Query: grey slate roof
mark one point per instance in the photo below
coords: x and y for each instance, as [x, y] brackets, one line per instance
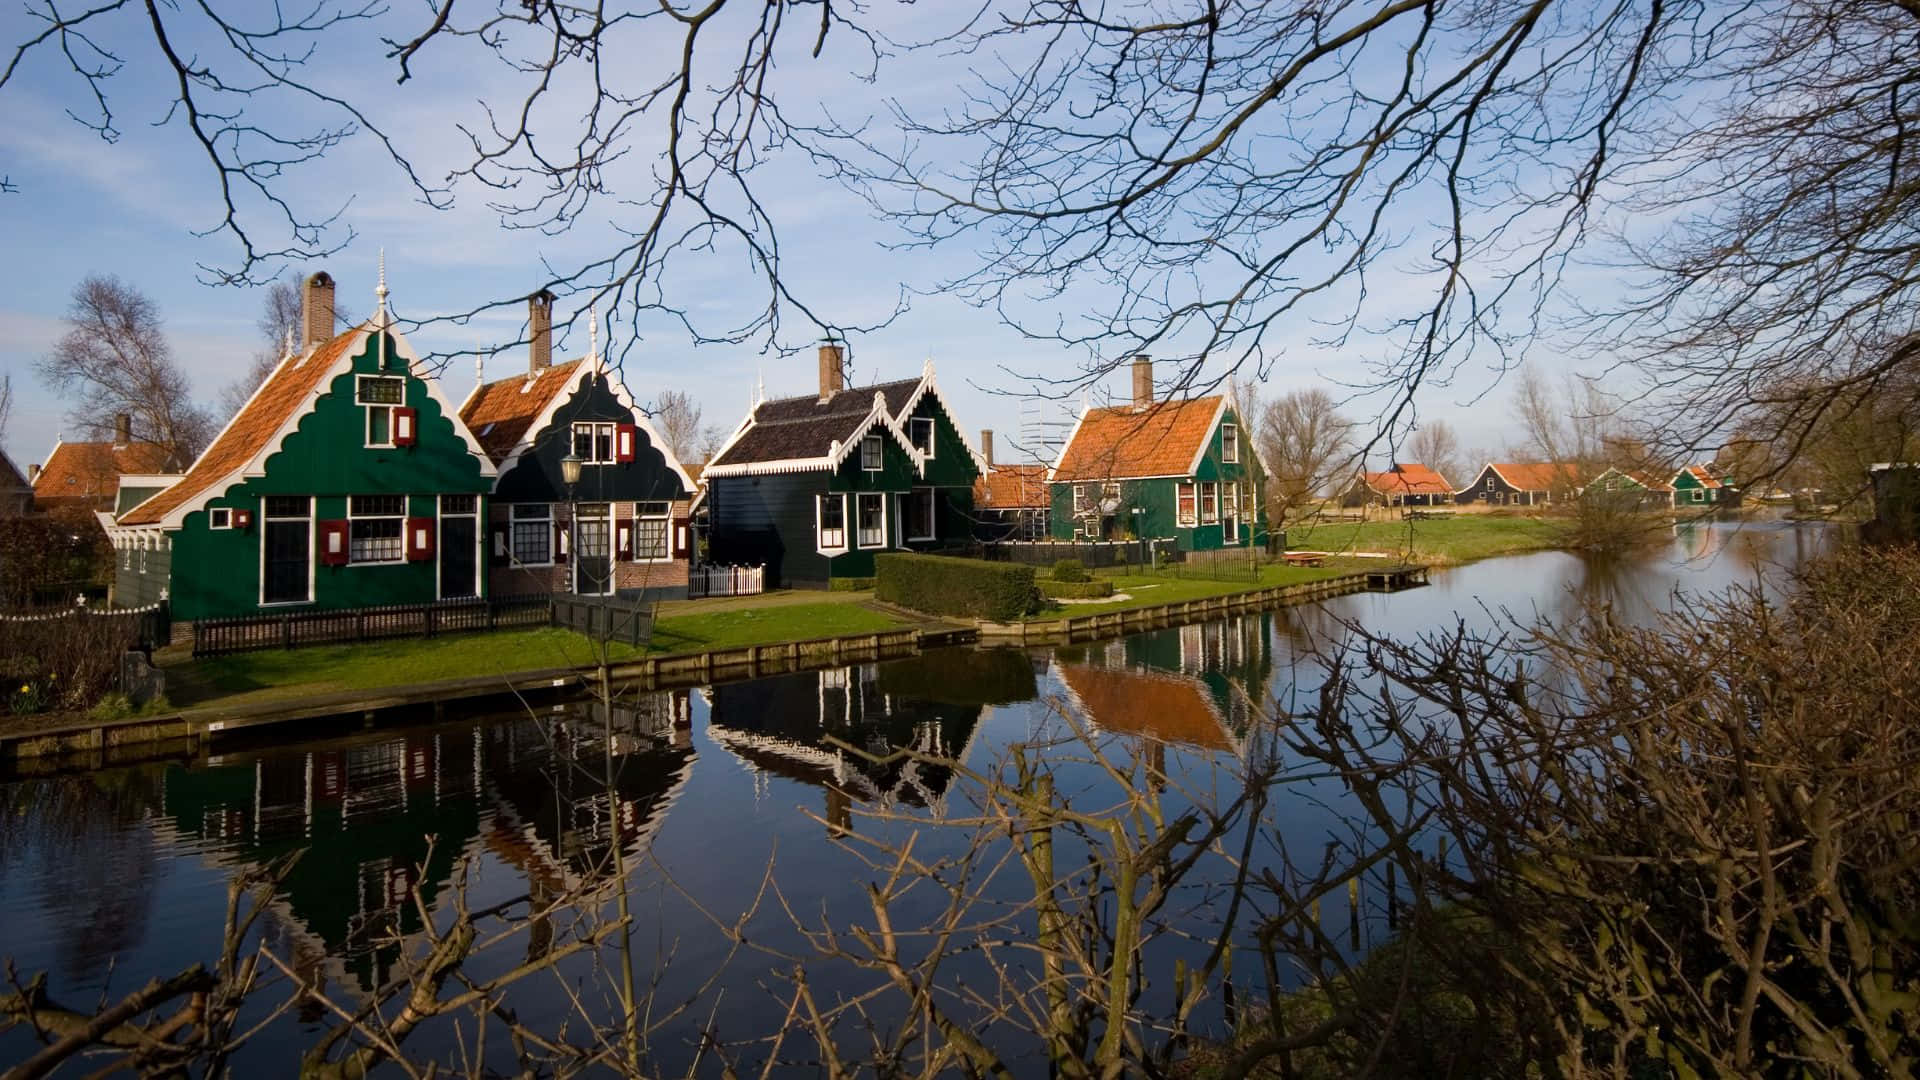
[785, 429]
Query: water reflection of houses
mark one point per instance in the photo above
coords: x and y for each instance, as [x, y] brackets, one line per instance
[932, 703]
[1202, 686]
[378, 819]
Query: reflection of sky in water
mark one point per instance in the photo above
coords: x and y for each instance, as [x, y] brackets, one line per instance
[111, 878]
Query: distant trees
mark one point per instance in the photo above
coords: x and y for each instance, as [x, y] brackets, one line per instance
[1305, 441]
[279, 317]
[114, 358]
[1436, 446]
[679, 419]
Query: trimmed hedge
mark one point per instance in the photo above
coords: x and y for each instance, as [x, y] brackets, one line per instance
[1077, 590]
[943, 585]
[850, 584]
[1070, 570]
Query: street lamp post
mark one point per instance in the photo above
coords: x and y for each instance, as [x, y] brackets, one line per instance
[570, 476]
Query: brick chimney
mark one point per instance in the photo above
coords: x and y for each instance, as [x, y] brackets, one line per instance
[122, 430]
[33, 474]
[832, 376]
[986, 446]
[316, 310]
[539, 332]
[1142, 381]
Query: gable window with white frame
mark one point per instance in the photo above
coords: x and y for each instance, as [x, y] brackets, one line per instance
[650, 523]
[593, 442]
[381, 396]
[1230, 443]
[920, 514]
[920, 433]
[870, 517]
[532, 534]
[1080, 498]
[870, 453]
[830, 523]
[219, 517]
[377, 524]
[1186, 499]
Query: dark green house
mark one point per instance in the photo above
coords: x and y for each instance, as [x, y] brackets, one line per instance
[812, 487]
[347, 480]
[1703, 486]
[1185, 471]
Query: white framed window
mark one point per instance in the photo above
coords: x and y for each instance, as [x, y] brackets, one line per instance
[920, 514]
[830, 522]
[1489, 483]
[870, 517]
[920, 433]
[1209, 502]
[651, 521]
[1232, 533]
[1090, 527]
[593, 442]
[1698, 495]
[870, 454]
[380, 395]
[1230, 443]
[219, 518]
[1185, 496]
[532, 534]
[126, 558]
[376, 528]
[1079, 498]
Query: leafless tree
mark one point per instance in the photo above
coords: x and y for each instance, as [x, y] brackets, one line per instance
[1307, 443]
[1436, 446]
[6, 403]
[680, 424]
[279, 326]
[114, 358]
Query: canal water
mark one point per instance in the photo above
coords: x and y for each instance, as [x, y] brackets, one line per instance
[743, 829]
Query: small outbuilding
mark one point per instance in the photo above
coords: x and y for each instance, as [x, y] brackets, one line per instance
[1512, 483]
[1405, 484]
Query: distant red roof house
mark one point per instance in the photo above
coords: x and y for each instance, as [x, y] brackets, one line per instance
[1012, 487]
[1404, 484]
[87, 474]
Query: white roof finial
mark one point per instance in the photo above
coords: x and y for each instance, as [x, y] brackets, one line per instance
[593, 334]
[380, 290]
[480, 368]
[760, 386]
[927, 368]
[286, 349]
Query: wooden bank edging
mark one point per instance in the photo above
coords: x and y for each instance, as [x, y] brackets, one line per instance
[1132, 620]
[192, 728]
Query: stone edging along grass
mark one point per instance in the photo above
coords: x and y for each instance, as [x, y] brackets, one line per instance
[1180, 612]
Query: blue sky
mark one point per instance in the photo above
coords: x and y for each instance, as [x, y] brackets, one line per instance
[133, 208]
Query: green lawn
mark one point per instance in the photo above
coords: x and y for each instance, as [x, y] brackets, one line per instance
[324, 669]
[1436, 542]
[1153, 589]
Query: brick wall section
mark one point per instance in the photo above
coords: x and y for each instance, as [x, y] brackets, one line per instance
[525, 580]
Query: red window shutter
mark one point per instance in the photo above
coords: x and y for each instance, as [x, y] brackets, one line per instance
[405, 426]
[559, 541]
[419, 539]
[625, 439]
[243, 519]
[333, 543]
[682, 537]
[623, 540]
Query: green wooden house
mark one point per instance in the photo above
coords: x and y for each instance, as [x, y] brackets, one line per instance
[1181, 470]
[346, 481]
[812, 487]
[1703, 486]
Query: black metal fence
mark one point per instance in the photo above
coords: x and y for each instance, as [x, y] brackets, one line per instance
[246, 633]
[1093, 554]
[605, 618]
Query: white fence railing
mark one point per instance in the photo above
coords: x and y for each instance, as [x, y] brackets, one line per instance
[726, 581]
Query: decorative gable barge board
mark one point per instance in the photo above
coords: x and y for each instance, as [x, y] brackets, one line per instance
[319, 451]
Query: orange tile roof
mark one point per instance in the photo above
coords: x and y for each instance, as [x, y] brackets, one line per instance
[1407, 479]
[500, 412]
[1011, 487]
[1169, 708]
[1539, 476]
[284, 391]
[1121, 442]
[1704, 475]
[92, 470]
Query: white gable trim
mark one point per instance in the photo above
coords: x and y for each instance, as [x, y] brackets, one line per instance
[837, 452]
[540, 422]
[1067, 446]
[928, 382]
[1206, 441]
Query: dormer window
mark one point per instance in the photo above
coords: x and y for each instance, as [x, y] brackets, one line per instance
[384, 400]
[920, 432]
[593, 442]
[1230, 443]
[870, 453]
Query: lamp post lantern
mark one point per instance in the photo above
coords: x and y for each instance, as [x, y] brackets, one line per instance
[570, 476]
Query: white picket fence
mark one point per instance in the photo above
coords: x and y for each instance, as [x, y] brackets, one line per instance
[726, 581]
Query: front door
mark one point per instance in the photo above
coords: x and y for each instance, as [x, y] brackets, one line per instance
[593, 551]
[288, 537]
[459, 568]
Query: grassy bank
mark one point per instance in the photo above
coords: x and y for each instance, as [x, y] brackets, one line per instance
[1179, 586]
[1442, 541]
[325, 669]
